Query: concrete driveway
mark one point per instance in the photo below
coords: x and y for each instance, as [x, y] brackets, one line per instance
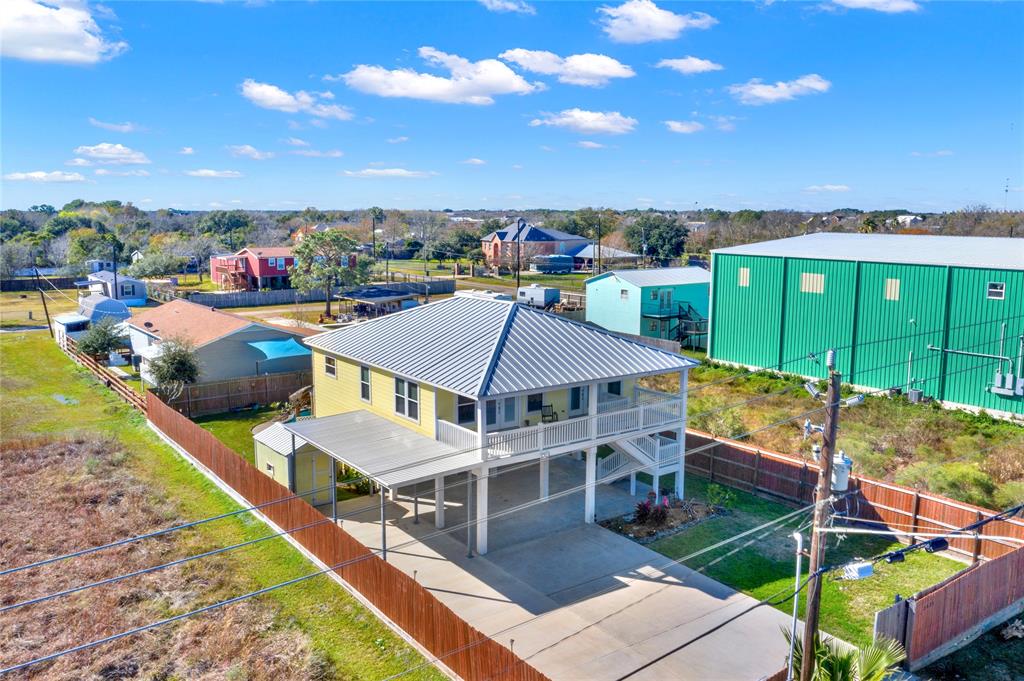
[575, 600]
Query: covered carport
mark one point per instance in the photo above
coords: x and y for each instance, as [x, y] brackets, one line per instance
[393, 457]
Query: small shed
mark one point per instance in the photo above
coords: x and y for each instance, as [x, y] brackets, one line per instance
[374, 301]
[69, 325]
[95, 307]
[308, 473]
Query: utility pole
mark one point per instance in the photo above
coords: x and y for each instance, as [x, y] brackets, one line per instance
[520, 223]
[824, 491]
[597, 253]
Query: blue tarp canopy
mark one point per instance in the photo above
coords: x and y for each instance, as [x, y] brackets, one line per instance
[277, 349]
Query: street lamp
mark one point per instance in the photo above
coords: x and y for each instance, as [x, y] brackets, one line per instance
[520, 224]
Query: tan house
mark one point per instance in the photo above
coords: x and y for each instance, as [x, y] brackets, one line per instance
[468, 386]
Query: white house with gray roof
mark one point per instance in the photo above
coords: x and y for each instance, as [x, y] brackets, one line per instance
[473, 385]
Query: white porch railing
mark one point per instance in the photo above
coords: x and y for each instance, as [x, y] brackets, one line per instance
[638, 420]
[456, 436]
[613, 462]
[612, 404]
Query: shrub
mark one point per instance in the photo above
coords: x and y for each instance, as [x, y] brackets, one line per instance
[642, 512]
[720, 496]
[176, 366]
[961, 481]
[1009, 494]
[713, 415]
[102, 338]
[658, 515]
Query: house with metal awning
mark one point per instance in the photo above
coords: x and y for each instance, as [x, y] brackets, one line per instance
[228, 345]
[470, 386]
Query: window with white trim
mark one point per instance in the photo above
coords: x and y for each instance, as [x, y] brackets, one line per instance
[407, 399]
[743, 277]
[534, 402]
[270, 468]
[652, 325]
[364, 383]
[892, 289]
[996, 290]
[465, 410]
[330, 366]
[812, 282]
[654, 294]
[127, 289]
[623, 294]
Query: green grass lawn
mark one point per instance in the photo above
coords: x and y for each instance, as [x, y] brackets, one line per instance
[16, 307]
[766, 566]
[235, 428]
[45, 394]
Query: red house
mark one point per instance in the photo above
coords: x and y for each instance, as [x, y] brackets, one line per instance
[253, 268]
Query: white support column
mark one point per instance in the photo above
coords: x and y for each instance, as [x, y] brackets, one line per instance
[590, 495]
[681, 435]
[439, 502]
[656, 482]
[545, 478]
[393, 494]
[481, 511]
[632, 484]
[590, 498]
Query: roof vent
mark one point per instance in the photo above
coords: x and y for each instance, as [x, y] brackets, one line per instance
[148, 325]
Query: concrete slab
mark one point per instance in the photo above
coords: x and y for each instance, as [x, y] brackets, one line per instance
[575, 600]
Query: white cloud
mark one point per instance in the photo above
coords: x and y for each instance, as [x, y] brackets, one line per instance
[474, 162]
[932, 154]
[887, 6]
[684, 127]
[690, 65]
[517, 6]
[249, 151]
[316, 153]
[268, 96]
[641, 21]
[588, 144]
[79, 162]
[469, 82]
[117, 154]
[296, 142]
[43, 176]
[187, 151]
[125, 127]
[62, 32]
[122, 173]
[588, 122]
[592, 70]
[388, 172]
[755, 92]
[724, 123]
[829, 188]
[398, 140]
[517, 166]
[206, 172]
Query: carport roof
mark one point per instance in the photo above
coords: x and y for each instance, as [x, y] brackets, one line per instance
[387, 452]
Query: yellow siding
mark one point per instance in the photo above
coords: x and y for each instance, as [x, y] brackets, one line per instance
[341, 394]
[265, 455]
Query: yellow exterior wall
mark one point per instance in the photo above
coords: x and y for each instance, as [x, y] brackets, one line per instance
[303, 469]
[339, 395]
[265, 455]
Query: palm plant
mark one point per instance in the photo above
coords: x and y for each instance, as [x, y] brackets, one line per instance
[836, 662]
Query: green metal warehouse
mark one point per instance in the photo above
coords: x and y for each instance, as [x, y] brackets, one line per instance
[939, 314]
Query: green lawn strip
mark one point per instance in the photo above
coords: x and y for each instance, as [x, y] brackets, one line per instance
[235, 428]
[358, 644]
[766, 567]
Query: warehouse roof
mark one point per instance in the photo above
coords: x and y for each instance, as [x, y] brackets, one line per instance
[662, 276]
[914, 249]
[607, 252]
[479, 347]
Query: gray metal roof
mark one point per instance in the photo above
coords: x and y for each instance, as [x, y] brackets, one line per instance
[590, 251]
[278, 438]
[661, 276]
[482, 347]
[108, 276]
[915, 249]
[390, 453]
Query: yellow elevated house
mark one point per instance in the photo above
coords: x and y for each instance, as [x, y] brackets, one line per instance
[469, 386]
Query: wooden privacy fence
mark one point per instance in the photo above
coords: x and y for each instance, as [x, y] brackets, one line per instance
[933, 623]
[217, 397]
[905, 511]
[291, 296]
[31, 284]
[105, 375]
[462, 648]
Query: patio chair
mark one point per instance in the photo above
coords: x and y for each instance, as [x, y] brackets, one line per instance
[548, 414]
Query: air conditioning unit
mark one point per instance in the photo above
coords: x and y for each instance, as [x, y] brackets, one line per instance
[915, 395]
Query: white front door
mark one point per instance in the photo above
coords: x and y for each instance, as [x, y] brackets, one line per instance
[665, 298]
[502, 413]
[321, 479]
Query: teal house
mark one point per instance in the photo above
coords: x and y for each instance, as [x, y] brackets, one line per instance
[939, 317]
[670, 303]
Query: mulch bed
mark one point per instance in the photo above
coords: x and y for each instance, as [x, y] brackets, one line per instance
[682, 514]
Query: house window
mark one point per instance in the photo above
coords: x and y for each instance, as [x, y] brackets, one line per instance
[576, 398]
[466, 410]
[407, 399]
[534, 402]
[652, 325]
[892, 289]
[811, 282]
[743, 277]
[364, 383]
[270, 468]
[331, 367]
[996, 290]
[623, 294]
[127, 289]
[491, 409]
[615, 388]
[654, 294]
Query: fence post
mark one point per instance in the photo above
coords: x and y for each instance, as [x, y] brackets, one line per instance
[802, 483]
[976, 551]
[913, 519]
[188, 400]
[757, 469]
[711, 461]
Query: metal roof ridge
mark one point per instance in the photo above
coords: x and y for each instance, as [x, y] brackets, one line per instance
[499, 343]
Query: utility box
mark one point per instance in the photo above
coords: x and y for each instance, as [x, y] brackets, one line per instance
[541, 297]
[841, 467]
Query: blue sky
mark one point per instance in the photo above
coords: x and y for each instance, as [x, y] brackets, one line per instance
[503, 104]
